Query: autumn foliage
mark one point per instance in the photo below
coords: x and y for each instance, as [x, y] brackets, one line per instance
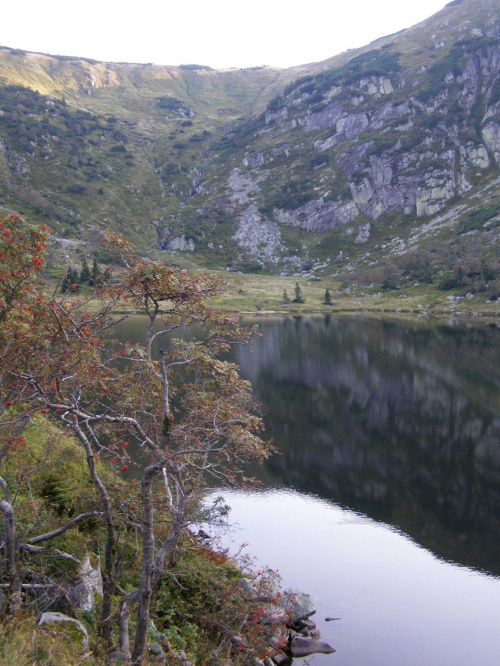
[170, 411]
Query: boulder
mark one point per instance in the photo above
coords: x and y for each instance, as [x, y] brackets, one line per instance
[157, 653]
[89, 585]
[281, 659]
[302, 624]
[298, 605]
[303, 647]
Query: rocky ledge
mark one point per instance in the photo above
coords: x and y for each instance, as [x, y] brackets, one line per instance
[302, 640]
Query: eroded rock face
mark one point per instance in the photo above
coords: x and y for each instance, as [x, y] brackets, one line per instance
[255, 234]
[363, 233]
[317, 215]
[181, 243]
[491, 136]
[259, 236]
[395, 145]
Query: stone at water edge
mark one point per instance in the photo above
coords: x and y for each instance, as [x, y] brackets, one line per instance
[301, 624]
[298, 604]
[303, 647]
[281, 659]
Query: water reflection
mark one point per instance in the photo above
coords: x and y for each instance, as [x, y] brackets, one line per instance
[387, 429]
[400, 605]
[399, 421]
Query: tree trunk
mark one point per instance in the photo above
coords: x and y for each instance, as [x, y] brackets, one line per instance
[109, 585]
[11, 557]
[148, 555]
[123, 636]
[177, 502]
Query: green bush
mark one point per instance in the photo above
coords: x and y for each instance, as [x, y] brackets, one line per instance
[276, 104]
[171, 103]
[76, 189]
[292, 195]
[454, 280]
[477, 219]
[319, 160]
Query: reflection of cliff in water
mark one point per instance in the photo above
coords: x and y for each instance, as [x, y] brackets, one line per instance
[397, 420]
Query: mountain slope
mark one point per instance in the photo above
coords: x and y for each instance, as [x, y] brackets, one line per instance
[366, 154]
[379, 165]
[101, 145]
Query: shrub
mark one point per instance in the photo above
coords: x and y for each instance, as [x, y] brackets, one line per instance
[319, 160]
[455, 280]
[76, 189]
[477, 219]
[170, 103]
[276, 104]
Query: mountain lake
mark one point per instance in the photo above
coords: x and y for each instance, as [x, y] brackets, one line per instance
[383, 501]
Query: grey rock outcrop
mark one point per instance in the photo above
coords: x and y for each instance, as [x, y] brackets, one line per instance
[402, 141]
[89, 585]
[181, 243]
[317, 215]
[258, 236]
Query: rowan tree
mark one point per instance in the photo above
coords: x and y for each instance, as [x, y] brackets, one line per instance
[186, 413]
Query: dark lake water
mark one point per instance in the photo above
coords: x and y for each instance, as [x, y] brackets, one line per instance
[384, 502]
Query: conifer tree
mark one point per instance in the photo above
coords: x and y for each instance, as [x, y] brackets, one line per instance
[286, 297]
[328, 299]
[70, 281]
[95, 275]
[299, 298]
[85, 272]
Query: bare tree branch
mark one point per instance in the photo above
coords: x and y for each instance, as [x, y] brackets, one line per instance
[64, 528]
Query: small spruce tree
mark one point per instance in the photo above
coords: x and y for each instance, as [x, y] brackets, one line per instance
[299, 298]
[95, 274]
[70, 281]
[328, 299]
[85, 272]
[64, 284]
[286, 297]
